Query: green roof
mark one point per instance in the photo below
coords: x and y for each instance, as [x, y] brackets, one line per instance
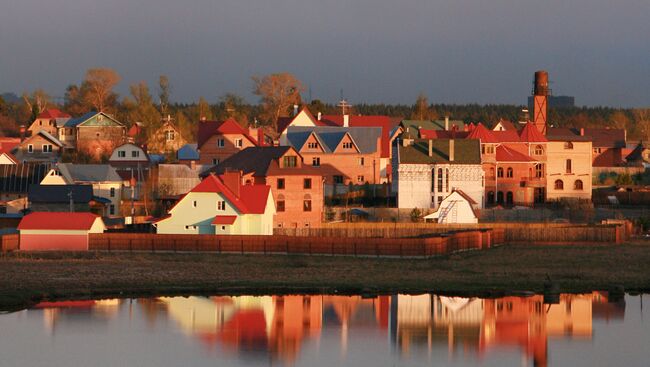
[466, 151]
[431, 124]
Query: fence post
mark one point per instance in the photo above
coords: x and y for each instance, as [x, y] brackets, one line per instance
[109, 244]
[242, 246]
[264, 246]
[130, 244]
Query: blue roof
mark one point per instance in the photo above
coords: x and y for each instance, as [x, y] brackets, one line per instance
[76, 121]
[188, 152]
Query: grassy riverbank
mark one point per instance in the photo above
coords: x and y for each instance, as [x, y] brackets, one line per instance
[26, 278]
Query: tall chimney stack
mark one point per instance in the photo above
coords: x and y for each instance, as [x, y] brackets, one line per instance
[346, 120]
[540, 100]
[452, 148]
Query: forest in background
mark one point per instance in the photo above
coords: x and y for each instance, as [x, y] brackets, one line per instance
[277, 93]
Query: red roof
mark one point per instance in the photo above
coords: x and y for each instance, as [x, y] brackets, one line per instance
[482, 133]
[443, 134]
[506, 154]
[53, 113]
[230, 126]
[58, 221]
[134, 131]
[8, 144]
[224, 219]
[530, 134]
[506, 136]
[252, 198]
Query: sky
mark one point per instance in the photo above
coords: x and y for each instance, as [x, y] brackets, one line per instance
[375, 51]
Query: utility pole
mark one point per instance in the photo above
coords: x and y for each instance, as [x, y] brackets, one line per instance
[71, 201]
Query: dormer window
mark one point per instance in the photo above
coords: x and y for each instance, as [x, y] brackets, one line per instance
[539, 150]
[312, 145]
[169, 135]
[290, 161]
[239, 143]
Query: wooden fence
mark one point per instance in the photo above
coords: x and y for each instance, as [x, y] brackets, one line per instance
[9, 242]
[290, 245]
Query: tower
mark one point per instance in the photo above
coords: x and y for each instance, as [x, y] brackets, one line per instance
[540, 100]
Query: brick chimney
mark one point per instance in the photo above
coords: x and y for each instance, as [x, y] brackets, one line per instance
[452, 148]
[582, 131]
[346, 120]
[320, 115]
[446, 123]
[430, 148]
[232, 180]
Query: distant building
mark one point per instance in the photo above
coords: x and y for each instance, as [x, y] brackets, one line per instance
[188, 154]
[50, 120]
[456, 208]
[569, 165]
[218, 140]
[58, 231]
[167, 139]
[221, 205]
[95, 133]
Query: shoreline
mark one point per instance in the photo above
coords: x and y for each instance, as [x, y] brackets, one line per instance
[27, 278]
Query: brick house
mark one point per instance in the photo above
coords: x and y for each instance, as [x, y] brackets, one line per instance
[95, 133]
[218, 140]
[297, 187]
[50, 120]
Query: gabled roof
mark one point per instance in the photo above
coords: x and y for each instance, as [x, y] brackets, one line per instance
[252, 199]
[466, 151]
[507, 125]
[89, 172]
[530, 134]
[564, 134]
[8, 144]
[229, 126]
[47, 136]
[10, 157]
[606, 138]
[188, 152]
[365, 138]
[384, 122]
[480, 132]
[506, 136]
[507, 154]
[636, 154]
[255, 160]
[53, 113]
[59, 193]
[58, 221]
[284, 122]
[90, 117]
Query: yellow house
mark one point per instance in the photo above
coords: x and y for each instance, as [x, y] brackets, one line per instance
[568, 168]
[223, 206]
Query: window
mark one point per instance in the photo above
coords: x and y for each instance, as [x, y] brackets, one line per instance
[360, 179]
[577, 185]
[30, 148]
[221, 205]
[347, 145]
[190, 227]
[312, 145]
[112, 192]
[509, 197]
[194, 203]
[447, 179]
[433, 181]
[280, 184]
[568, 145]
[362, 161]
[290, 161]
[559, 185]
[135, 153]
[500, 197]
[279, 205]
[490, 197]
[215, 161]
[315, 162]
[539, 150]
[439, 179]
[223, 228]
[121, 154]
[487, 149]
[492, 172]
[539, 170]
[169, 135]
[500, 172]
[337, 179]
[509, 172]
[439, 200]
[306, 205]
[221, 143]
[47, 148]
[597, 151]
[568, 166]
[239, 143]
[111, 210]
[306, 183]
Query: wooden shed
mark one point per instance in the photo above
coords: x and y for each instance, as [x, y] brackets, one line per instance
[58, 231]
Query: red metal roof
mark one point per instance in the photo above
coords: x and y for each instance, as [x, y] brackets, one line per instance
[443, 134]
[530, 134]
[58, 221]
[224, 219]
[482, 133]
[53, 113]
[252, 198]
[8, 144]
[506, 154]
[230, 126]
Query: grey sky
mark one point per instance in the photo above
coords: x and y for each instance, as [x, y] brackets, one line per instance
[455, 51]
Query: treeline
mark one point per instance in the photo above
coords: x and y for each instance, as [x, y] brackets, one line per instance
[277, 93]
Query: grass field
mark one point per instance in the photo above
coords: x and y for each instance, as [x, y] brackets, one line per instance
[26, 278]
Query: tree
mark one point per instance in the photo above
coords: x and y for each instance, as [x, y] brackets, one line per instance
[36, 102]
[642, 117]
[97, 88]
[234, 106]
[421, 110]
[278, 93]
[165, 91]
[620, 120]
[141, 107]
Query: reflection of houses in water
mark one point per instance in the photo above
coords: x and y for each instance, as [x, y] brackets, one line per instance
[77, 314]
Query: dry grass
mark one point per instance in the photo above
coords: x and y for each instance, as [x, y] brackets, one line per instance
[30, 277]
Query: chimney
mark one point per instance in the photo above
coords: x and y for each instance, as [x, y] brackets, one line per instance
[452, 148]
[430, 148]
[446, 123]
[232, 180]
[260, 137]
[295, 109]
[582, 131]
[346, 120]
[320, 115]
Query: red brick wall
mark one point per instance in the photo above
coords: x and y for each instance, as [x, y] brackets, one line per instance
[294, 194]
[210, 151]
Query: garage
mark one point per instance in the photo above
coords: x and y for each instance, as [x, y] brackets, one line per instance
[58, 231]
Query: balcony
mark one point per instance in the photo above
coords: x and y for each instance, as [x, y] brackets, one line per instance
[533, 181]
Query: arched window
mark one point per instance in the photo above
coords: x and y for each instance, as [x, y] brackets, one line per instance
[500, 172]
[439, 179]
[509, 198]
[568, 145]
[577, 185]
[509, 172]
[490, 197]
[306, 203]
[568, 166]
[447, 179]
[539, 150]
[500, 197]
[559, 185]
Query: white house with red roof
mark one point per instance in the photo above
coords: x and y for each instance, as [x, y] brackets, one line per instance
[58, 231]
[222, 205]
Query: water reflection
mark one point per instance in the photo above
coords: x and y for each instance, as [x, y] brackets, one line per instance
[278, 328]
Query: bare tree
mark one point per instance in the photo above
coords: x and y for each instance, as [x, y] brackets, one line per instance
[98, 87]
[278, 92]
[165, 91]
[37, 102]
[642, 117]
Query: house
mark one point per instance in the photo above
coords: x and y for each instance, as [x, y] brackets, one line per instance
[16, 179]
[434, 125]
[568, 168]
[297, 187]
[95, 133]
[427, 171]
[218, 140]
[639, 155]
[50, 120]
[222, 206]
[40, 147]
[456, 208]
[58, 231]
[105, 182]
[167, 138]
[129, 156]
[136, 133]
[503, 125]
[344, 155]
[61, 198]
[188, 154]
